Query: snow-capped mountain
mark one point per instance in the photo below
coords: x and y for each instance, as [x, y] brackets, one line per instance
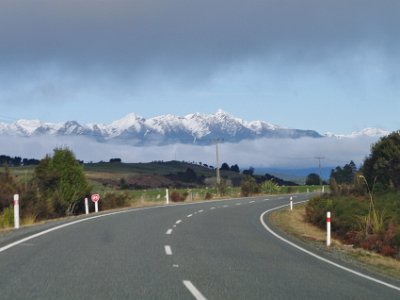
[195, 128]
[367, 132]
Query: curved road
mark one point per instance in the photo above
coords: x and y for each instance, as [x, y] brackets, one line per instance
[209, 250]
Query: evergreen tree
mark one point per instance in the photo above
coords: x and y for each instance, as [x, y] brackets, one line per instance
[383, 164]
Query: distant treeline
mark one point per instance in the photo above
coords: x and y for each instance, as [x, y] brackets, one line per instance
[17, 161]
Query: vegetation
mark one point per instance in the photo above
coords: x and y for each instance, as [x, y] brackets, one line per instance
[57, 184]
[365, 205]
[313, 179]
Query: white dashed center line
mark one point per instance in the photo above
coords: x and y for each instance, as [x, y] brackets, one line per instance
[168, 250]
[178, 222]
[200, 211]
[212, 208]
[189, 216]
[169, 231]
[195, 292]
[252, 202]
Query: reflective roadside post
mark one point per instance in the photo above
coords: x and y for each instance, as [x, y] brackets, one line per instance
[16, 211]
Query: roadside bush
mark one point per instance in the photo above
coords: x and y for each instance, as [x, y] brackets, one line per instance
[177, 197]
[208, 196]
[114, 200]
[7, 217]
[270, 187]
[248, 186]
[351, 224]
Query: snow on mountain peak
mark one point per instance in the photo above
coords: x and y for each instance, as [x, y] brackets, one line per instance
[130, 120]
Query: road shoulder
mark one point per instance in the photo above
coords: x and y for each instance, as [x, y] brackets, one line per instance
[293, 225]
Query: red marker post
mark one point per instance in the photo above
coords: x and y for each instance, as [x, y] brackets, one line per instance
[16, 211]
[95, 198]
[328, 228]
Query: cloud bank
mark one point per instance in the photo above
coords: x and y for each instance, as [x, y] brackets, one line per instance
[274, 153]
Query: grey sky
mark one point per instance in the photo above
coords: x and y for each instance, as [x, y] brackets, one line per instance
[181, 56]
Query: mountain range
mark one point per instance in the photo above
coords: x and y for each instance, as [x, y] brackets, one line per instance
[194, 128]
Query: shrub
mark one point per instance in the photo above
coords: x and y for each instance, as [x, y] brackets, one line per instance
[208, 196]
[7, 217]
[177, 197]
[114, 200]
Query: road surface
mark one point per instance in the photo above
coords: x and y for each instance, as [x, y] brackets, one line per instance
[209, 250]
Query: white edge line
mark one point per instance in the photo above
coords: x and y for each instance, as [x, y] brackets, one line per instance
[317, 256]
[195, 292]
[31, 237]
[168, 250]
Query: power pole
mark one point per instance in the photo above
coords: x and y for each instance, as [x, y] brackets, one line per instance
[319, 167]
[217, 162]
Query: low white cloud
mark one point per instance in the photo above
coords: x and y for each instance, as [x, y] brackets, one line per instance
[275, 153]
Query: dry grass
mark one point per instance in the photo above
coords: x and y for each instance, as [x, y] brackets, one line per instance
[293, 223]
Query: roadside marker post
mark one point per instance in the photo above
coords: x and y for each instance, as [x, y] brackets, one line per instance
[86, 206]
[95, 198]
[328, 228]
[16, 211]
[291, 203]
[167, 196]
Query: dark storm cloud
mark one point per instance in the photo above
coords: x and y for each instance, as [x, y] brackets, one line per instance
[188, 34]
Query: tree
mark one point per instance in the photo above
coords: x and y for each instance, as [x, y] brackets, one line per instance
[235, 168]
[225, 167]
[250, 171]
[8, 187]
[313, 179]
[346, 174]
[61, 179]
[383, 164]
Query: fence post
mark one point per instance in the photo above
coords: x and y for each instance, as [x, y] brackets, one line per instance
[167, 196]
[291, 203]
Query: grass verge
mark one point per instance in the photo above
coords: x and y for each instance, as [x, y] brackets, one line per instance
[293, 223]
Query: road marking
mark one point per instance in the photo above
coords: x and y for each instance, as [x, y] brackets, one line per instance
[317, 256]
[168, 250]
[238, 203]
[251, 202]
[212, 208]
[225, 206]
[169, 231]
[195, 292]
[28, 238]
[178, 222]
[266, 199]
[189, 216]
[200, 211]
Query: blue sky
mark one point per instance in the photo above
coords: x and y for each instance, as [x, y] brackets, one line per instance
[310, 64]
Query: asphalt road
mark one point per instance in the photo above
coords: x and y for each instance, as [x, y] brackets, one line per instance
[210, 250]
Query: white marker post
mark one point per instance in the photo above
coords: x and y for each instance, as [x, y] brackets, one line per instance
[167, 196]
[291, 203]
[328, 228]
[16, 211]
[86, 206]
